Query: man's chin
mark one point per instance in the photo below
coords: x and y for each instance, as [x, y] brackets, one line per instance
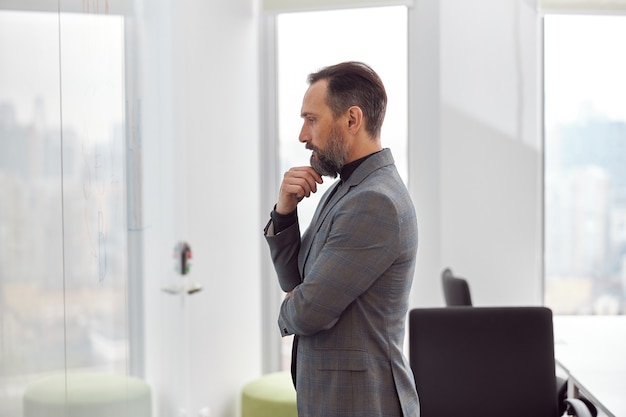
[319, 167]
[324, 172]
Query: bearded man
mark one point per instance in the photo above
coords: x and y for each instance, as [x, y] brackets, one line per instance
[348, 277]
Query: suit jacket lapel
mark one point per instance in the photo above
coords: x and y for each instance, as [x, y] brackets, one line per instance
[307, 238]
[379, 160]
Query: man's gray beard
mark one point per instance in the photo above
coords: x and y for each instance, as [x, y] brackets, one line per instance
[330, 161]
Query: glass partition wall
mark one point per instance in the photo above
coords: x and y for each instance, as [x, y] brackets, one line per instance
[63, 200]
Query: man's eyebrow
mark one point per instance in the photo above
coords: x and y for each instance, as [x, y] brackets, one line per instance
[306, 114]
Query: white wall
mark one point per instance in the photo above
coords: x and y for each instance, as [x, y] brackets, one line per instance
[222, 129]
[477, 157]
[200, 86]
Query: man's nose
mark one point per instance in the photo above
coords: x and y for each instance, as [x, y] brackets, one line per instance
[304, 136]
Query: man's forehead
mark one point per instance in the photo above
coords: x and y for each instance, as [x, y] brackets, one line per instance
[314, 99]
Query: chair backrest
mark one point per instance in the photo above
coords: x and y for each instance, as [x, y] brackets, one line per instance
[456, 290]
[483, 361]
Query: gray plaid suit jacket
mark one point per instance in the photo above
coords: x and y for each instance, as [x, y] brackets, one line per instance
[351, 274]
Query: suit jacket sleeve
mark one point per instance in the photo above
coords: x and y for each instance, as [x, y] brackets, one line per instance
[284, 248]
[361, 244]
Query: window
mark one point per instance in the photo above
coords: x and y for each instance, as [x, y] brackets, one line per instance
[585, 164]
[303, 48]
[63, 264]
[308, 41]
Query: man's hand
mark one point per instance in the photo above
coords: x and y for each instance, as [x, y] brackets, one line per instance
[298, 182]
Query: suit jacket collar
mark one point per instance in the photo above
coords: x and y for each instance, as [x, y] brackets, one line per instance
[371, 164]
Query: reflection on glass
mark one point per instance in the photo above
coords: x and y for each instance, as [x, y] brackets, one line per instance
[585, 164]
[308, 41]
[62, 199]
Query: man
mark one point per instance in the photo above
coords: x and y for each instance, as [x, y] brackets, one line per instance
[348, 278]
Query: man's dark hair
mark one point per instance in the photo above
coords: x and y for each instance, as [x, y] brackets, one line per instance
[354, 84]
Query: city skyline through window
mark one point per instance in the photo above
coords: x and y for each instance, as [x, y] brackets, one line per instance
[585, 164]
[63, 234]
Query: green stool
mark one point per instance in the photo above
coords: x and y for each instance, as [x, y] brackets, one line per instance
[271, 395]
[88, 394]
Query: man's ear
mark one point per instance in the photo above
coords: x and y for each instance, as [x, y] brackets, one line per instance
[355, 119]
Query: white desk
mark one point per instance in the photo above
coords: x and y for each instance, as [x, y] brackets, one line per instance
[592, 350]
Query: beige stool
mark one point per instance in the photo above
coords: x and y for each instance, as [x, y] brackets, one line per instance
[88, 395]
[271, 395]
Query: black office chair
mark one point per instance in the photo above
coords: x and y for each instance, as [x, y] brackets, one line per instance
[456, 290]
[485, 361]
[456, 293]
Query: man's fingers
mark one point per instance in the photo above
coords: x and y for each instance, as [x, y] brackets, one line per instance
[306, 172]
[301, 181]
[298, 182]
